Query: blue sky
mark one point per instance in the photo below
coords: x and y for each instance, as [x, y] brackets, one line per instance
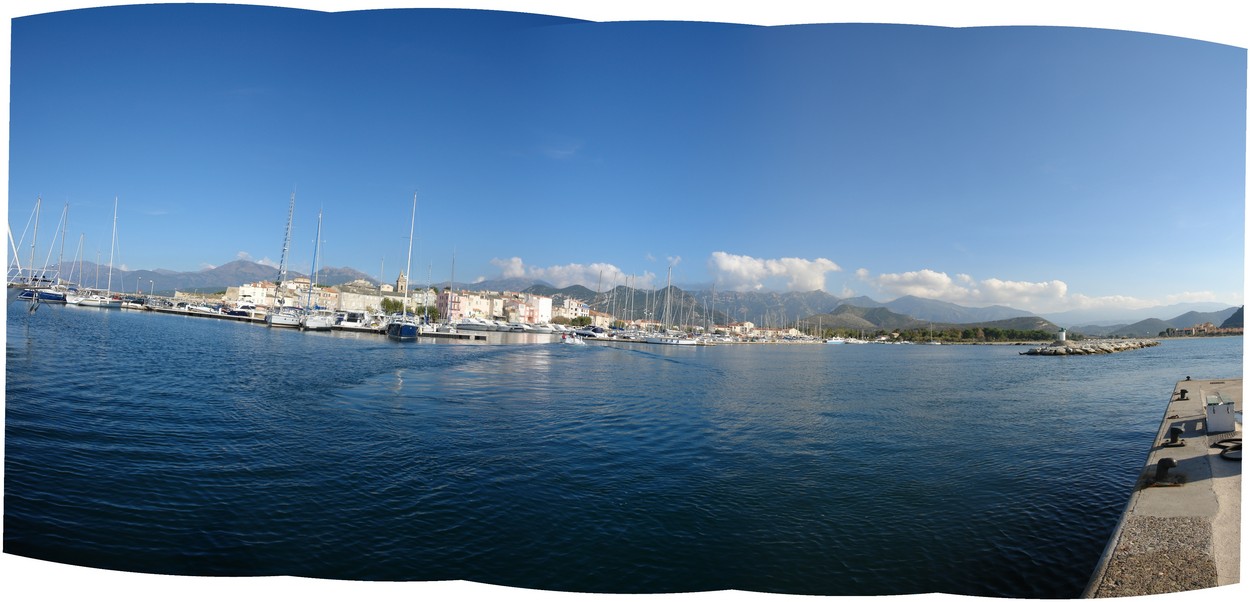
[1045, 168]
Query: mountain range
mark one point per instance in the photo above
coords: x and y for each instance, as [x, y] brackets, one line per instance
[765, 308]
[209, 280]
[1229, 317]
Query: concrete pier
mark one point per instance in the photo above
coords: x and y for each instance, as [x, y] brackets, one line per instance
[1181, 529]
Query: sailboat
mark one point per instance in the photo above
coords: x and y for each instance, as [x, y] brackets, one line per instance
[106, 301]
[39, 289]
[665, 337]
[313, 318]
[284, 317]
[405, 327]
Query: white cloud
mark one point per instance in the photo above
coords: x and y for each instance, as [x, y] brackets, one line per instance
[963, 289]
[993, 290]
[244, 255]
[1194, 297]
[603, 275]
[742, 273]
[512, 267]
[923, 283]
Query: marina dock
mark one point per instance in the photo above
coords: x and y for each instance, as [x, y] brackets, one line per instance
[182, 311]
[1181, 529]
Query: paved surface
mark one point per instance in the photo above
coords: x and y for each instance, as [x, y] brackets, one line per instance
[1181, 532]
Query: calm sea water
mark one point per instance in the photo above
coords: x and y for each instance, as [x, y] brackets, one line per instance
[166, 444]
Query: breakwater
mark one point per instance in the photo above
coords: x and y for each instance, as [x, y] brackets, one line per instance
[1089, 347]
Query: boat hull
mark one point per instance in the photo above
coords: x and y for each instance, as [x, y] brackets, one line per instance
[100, 302]
[402, 331]
[43, 296]
[282, 320]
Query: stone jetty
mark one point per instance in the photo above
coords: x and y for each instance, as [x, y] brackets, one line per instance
[1090, 347]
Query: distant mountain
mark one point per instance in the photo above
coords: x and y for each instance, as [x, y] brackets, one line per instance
[1082, 318]
[503, 284]
[768, 309]
[941, 311]
[1194, 318]
[874, 317]
[576, 291]
[1233, 321]
[883, 318]
[213, 279]
[1151, 327]
[861, 301]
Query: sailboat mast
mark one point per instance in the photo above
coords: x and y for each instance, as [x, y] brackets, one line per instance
[64, 226]
[316, 248]
[30, 279]
[286, 241]
[112, 244]
[429, 284]
[668, 294]
[408, 270]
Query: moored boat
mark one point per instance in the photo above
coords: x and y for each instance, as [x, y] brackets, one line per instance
[670, 339]
[283, 318]
[473, 324]
[318, 319]
[359, 321]
[42, 295]
[404, 327]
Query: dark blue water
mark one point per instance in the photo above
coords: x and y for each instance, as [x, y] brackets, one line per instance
[165, 444]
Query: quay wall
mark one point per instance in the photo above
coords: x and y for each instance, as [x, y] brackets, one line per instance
[1181, 528]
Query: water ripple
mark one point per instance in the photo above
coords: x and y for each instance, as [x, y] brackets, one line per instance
[158, 444]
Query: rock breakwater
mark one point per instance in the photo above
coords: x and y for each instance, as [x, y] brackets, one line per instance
[1089, 347]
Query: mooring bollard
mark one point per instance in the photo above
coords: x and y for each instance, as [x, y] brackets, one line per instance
[1174, 436]
[1162, 468]
[1184, 392]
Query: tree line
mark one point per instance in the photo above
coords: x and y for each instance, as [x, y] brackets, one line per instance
[971, 334]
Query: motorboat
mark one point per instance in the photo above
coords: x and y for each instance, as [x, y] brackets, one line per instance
[594, 332]
[359, 321]
[473, 324]
[403, 328]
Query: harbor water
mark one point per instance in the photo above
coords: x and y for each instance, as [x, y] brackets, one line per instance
[179, 445]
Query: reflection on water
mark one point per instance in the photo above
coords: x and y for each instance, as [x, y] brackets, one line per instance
[161, 444]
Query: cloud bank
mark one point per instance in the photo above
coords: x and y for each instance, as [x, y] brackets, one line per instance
[1048, 296]
[744, 273]
[604, 275]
